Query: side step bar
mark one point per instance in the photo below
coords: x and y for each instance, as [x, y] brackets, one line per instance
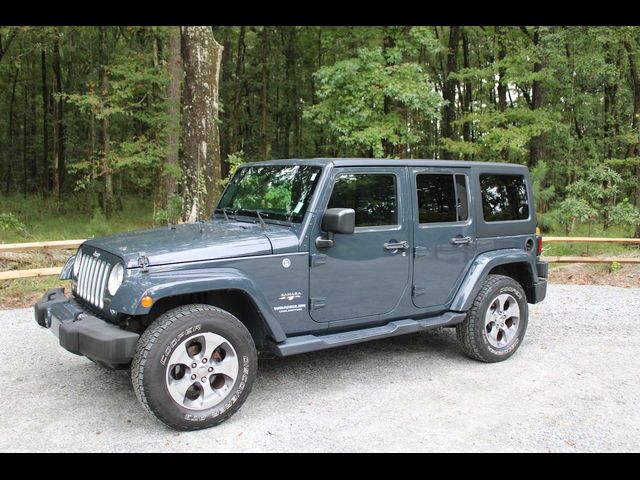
[311, 343]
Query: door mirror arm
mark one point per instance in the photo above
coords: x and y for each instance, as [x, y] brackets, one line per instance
[325, 242]
[336, 220]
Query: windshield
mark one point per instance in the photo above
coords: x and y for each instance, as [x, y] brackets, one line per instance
[279, 192]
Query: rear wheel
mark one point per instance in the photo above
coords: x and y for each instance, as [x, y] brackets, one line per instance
[194, 367]
[497, 321]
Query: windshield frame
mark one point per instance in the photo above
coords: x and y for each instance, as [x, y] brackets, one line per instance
[242, 214]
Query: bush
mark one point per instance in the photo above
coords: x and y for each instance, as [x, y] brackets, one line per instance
[173, 212]
[8, 221]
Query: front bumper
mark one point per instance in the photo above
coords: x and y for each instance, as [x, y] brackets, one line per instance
[82, 333]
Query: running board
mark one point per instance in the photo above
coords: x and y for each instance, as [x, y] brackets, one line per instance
[311, 343]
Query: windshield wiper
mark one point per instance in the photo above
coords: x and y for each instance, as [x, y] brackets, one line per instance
[224, 212]
[257, 212]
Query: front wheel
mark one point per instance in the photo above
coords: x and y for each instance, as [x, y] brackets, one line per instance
[497, 321]
[194, 367]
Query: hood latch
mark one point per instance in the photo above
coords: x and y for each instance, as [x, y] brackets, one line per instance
[143, 262]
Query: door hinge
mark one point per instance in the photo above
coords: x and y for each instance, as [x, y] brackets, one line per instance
[417, 291]
[318, 259]
[317, 302]
[419, 251]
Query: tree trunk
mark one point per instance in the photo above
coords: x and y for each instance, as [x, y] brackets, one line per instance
[502, 83]
[536, 145]
[32, 142]
[106, 167]
[201, 57]
[60, 167]
[449, 91]
[173, 112]
[45, 123]
[610, 98]
[24, 138]
[235, 114]
[11, 150]
[467, 97]
[264, 107]
[107, 198]
[634, 148]
[388, 42]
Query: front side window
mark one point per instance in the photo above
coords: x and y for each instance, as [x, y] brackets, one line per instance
[442, 197]
[504, 197]
[279, 192]
[372, 196]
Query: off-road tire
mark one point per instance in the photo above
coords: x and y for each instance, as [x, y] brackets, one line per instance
[471, 332]
[148, 373]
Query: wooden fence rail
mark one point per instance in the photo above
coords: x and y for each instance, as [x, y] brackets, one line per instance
[69, 244]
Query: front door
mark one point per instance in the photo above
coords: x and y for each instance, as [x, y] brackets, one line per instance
[444, 234]
[364, 273]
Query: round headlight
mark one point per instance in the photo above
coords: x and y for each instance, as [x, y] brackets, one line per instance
[115, 278]
[76, 264]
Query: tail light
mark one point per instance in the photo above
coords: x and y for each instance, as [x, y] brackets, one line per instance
[539, 241]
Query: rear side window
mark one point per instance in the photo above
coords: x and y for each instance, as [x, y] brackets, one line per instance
[504, 197]
[372, 196]
[442, 198]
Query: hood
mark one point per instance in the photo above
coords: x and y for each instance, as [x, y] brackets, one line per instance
[186, 243]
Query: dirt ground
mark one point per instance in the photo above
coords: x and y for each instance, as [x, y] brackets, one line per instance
[628, 276]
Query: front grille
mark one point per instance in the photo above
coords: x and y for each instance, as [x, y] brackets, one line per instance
[92, 280]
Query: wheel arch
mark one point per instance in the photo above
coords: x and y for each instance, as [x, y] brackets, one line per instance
[513, 263]
[228, 289]
[237, 302]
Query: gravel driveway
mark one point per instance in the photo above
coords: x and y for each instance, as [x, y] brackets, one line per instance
[574, 385]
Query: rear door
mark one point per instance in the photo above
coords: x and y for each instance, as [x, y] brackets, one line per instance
[444, 234]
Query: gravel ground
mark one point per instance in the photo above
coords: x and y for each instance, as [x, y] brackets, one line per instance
[574, 385]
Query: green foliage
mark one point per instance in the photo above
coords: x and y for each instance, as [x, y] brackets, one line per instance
[308, 91]
[572, 210]
[351, 102]
[172, 214]
[543, 195]
[8, 221]
[624, 213]
[614, 267]
[234, 160]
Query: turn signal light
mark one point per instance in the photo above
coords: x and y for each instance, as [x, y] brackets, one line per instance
[146, 301]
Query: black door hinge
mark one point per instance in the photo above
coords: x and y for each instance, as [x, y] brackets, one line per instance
[418, 291]
[419, 251]
[317, 302]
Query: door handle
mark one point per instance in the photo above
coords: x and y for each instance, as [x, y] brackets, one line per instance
[461, 240]
[396, 245]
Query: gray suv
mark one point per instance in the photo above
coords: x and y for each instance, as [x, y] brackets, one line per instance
[303, 255]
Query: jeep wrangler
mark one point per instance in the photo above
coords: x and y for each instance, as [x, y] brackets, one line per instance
[303, 255]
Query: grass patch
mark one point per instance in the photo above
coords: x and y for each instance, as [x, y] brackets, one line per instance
[592, 249]
[46, 219]
[24, 292]
[42, 218]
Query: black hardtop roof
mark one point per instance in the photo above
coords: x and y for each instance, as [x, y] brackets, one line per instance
[387, 162]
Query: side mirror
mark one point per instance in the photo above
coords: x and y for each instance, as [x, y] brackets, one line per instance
[336, 220]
